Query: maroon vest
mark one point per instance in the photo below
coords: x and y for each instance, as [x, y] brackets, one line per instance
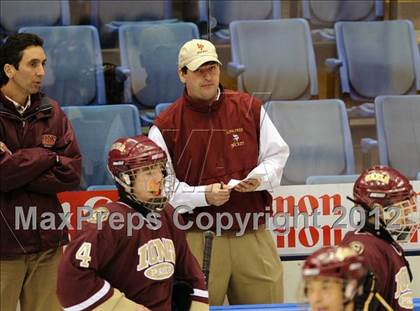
[215, 143]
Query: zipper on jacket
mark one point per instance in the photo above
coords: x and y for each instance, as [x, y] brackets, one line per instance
[11, 115]
[21, 119]
[24, 120]
[31, 115]
[36, 111]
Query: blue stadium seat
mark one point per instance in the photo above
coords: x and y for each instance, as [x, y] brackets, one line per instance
[108, 16]
[74, 73]
[161, 107]
[274, 59]
[322, 15]
[376, 58]
[222, 13]
[331, 179]
[101, 188]
[318, 134]
[96, 128]
[150, 53]
[18, 14]
[398, 129]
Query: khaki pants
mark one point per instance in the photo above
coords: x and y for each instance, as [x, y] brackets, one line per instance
[32, 279]
[247, 268]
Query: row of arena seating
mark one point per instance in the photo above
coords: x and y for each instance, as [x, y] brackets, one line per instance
[374, 59]
[107, 15]
[317, 132]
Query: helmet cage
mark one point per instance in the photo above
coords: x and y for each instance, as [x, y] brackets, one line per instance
[402, 219]
[164, 191]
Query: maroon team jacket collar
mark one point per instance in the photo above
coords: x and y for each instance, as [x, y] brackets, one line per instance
[39, 103]
[203, 106]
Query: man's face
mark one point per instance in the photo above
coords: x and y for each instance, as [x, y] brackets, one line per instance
[148, 183]
[202, 84]
[325, 294]
[28, 78]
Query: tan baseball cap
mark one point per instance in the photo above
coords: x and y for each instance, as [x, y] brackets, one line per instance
[196, 52]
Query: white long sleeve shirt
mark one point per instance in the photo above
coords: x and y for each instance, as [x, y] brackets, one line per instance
[272, 157]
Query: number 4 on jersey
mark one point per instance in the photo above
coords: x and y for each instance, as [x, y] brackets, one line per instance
[83, 254]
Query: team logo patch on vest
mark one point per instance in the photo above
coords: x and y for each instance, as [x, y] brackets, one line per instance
[157, 259]
[236, 137]
[99, 214]
[48, 140]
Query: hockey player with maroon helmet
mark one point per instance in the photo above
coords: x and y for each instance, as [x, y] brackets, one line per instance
[334, 279]
[386, 193]
[105, 268]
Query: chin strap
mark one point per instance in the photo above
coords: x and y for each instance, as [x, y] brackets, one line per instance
[380, 232]
[127, 199]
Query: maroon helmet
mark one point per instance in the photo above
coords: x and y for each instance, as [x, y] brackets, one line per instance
[342, 263]
[133, 152]
[386, 188]
[127, 155]
[338, 262]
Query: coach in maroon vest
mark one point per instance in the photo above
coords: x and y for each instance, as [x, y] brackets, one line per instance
[213, 136]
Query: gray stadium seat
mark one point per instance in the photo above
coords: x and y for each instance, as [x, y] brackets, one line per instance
[222, 13]
[96, 128]
[398, 129]
[322, 15]
[150, 53]
[101, 188]
[376, 58]
[18, 14]
[274, 59]
[318, 134]
[331, 179]
[161, 107]
[74, 73]
[108, 16]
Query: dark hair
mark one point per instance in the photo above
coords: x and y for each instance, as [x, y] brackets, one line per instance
[185, 69]
[11, 51]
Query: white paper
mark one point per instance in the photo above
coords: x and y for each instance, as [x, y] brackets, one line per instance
[233, 182]
[255, 176]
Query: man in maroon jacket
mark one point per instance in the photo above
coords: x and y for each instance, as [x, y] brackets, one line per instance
[391, 217]
[214, 136]
[130, 253]
[39, 157]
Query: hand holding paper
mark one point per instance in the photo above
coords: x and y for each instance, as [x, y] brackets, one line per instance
[248, 184]
[217, 194]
